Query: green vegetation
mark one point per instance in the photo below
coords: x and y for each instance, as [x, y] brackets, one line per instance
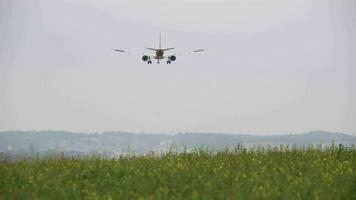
[284, 173]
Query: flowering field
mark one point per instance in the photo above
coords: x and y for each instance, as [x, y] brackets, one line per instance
[282, 173]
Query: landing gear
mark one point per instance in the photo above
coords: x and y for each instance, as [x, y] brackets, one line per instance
[149, 62]
[168, 62]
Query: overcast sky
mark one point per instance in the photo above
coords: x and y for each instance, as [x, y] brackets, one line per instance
[272, 67]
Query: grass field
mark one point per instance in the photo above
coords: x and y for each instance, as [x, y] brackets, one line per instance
[282, 173]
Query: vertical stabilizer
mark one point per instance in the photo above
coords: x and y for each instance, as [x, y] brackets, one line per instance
[160, 40]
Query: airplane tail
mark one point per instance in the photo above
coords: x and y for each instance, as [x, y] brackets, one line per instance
[160, 40]
[159, 45]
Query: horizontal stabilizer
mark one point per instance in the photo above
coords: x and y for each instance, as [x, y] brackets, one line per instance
[167, 49]
[153, 49]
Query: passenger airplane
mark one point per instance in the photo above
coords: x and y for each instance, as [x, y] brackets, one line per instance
[159, 54]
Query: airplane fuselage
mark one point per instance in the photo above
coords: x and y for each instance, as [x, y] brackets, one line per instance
[159, 54]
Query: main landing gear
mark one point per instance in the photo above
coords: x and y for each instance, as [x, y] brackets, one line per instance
[168, 62]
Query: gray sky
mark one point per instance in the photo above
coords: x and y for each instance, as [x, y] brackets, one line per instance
[272, 67]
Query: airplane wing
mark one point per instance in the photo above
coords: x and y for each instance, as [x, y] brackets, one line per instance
[186, 53]
[199, 50]
[126, 52]
[191, 52]
[121, 51]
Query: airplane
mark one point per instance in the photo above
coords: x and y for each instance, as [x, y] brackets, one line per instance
[159, 53]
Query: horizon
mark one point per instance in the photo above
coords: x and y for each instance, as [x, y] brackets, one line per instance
[178, 133]
[119, 143]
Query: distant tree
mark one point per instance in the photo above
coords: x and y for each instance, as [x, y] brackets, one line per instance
[31, 148]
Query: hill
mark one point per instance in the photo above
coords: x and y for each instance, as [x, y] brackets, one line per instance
[117, 143]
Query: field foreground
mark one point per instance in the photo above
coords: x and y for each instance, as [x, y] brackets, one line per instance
[240, 174]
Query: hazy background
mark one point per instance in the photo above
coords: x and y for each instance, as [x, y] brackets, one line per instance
[272, 66]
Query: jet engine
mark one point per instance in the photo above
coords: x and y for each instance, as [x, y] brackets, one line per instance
[172, 58]
[145, 58]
